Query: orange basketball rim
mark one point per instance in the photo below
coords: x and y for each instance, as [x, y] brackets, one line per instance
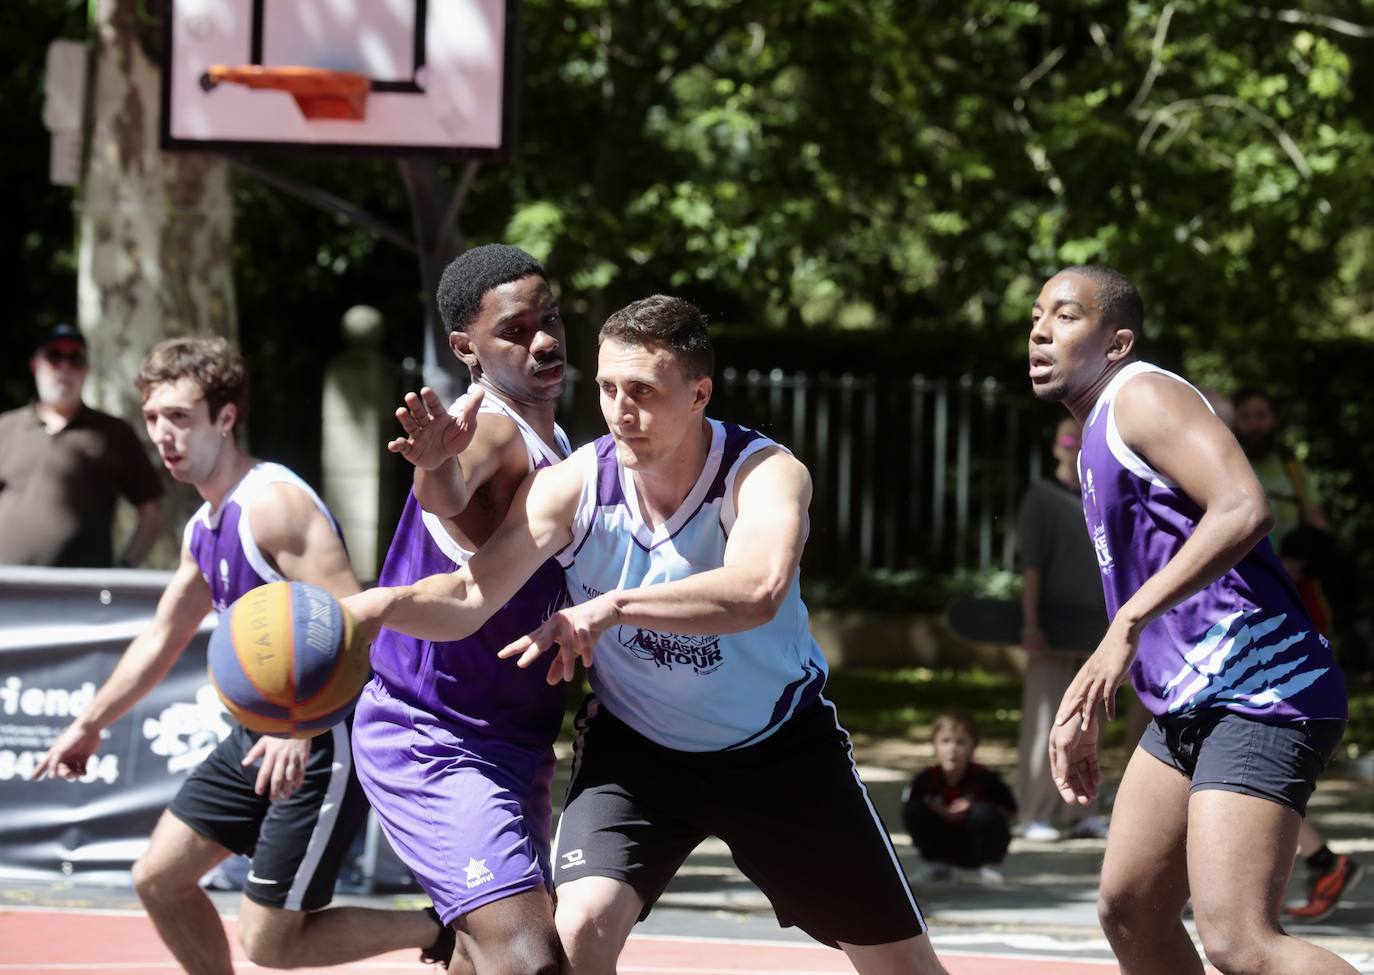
[319, 92]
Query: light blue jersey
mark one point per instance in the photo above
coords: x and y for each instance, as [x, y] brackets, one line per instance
[691, 693]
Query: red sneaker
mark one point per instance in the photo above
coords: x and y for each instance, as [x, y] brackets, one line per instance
[1324, 890]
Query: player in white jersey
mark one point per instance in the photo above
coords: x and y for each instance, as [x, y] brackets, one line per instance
[680, 539]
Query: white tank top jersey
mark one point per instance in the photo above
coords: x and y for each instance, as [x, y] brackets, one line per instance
[221, 540]
[693, 693]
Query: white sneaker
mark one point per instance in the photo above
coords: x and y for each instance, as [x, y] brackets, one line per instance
[1039, 831]
[989, 874]
[1090, 828]
[929, 872]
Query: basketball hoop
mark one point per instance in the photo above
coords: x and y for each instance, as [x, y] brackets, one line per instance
[319, 92]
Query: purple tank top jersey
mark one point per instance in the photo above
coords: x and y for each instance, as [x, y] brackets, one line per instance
[462, 683]
[222, 543]
[1244, 643]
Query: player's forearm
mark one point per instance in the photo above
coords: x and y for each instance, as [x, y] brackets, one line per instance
[726, 600]
[144, 663]
[442, 491]
[1223, 536]
[440, 607]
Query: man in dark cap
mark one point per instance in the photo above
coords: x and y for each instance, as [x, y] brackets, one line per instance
[63, 464]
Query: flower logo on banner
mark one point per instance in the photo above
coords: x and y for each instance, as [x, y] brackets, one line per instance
[186, 733]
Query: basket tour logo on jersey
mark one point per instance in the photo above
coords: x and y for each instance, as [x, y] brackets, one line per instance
[701, 653]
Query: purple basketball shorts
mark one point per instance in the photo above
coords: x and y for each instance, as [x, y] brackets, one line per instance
[467, 812]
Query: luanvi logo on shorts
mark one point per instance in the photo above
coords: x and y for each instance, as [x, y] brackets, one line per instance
[573, 858]
[477, 872]
[701, 653]
[255, 879]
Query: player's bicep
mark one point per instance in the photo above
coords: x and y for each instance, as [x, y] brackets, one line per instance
[300, 539]
[1170, 426]
[772, 495]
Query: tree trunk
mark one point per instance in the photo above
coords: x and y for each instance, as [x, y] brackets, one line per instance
[156, 231]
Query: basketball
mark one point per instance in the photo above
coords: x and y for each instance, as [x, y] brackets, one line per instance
[288, 660]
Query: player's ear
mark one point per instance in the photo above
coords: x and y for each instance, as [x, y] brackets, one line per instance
[701, 395]
[1122, 344]
[461, 343]
[228, 416]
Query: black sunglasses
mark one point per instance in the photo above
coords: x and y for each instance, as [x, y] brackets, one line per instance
[57, 356]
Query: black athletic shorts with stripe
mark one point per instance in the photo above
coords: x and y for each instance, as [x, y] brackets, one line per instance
[298, 844]
[792, 810]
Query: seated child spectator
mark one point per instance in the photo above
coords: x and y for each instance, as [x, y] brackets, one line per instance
[957, 811]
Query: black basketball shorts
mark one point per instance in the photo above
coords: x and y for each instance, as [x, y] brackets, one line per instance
[299, 844]
[792, 810]
[1220, 749]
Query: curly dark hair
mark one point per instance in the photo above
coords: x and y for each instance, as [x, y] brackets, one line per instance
[473, 273]
[673, 323]
[212, 362]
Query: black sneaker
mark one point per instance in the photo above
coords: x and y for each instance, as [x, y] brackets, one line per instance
[441, 952]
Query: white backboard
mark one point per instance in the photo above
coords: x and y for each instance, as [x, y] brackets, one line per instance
[441, 72]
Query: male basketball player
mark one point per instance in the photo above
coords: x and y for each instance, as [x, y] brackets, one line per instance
[1248, 704]
[680, 538]
[454, 746]
[299, 809]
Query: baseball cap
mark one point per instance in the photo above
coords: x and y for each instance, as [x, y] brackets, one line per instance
[63, 331]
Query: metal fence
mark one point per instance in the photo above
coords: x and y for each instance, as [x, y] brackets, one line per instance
[908, 473]
[919, 472]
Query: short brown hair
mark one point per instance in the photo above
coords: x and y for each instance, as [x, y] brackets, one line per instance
[955, 718]
[212, 362]
[673, 323]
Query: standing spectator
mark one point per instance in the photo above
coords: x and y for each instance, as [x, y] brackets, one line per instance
[63, 464]
[1303, 538]
[1293, 498]
[1059, 574]
[957, 811]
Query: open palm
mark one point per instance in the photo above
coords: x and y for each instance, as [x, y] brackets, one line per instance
[433, 434]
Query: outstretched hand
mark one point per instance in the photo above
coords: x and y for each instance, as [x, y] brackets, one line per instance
[573, 632]
[433, 434]
[69, 754]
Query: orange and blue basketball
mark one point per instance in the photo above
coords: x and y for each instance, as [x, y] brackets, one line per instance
[288, 660]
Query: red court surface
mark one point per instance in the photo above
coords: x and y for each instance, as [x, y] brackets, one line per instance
[40, 942]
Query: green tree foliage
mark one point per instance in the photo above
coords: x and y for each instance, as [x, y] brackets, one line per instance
[880, 185]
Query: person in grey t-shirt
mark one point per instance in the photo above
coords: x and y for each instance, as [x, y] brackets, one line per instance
[1059, 573]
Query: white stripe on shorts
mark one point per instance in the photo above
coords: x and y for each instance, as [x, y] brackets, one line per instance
[329, 815]
[877, 820]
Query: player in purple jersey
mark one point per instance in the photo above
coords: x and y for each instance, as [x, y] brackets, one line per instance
[1247, 701]
[454, 746]
[299, 810]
